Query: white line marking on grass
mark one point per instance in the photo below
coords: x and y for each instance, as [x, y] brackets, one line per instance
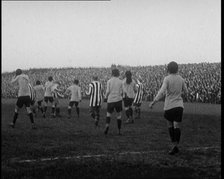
[106, 155]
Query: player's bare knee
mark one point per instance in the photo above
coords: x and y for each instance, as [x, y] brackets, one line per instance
[119, 115]
[176, 124]
[108, 114]
[28, 110]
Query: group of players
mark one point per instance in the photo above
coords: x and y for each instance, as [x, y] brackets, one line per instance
[127, 91]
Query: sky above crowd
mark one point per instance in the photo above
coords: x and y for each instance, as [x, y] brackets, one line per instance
[44, 34]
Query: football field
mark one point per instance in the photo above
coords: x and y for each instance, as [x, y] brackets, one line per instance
[75, 148]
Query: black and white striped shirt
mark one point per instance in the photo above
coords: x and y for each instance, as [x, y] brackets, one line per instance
[95, 92]
[139, 94]
[32, 92]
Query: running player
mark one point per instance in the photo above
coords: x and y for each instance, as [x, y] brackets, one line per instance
[23, 97]
[173, 86]
[96, 96]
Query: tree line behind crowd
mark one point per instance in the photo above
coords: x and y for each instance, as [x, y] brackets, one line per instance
[203, 80]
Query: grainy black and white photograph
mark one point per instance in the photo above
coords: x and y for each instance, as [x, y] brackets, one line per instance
[107, 89]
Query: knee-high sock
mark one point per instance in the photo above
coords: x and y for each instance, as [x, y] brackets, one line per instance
[127, 113]
[130, 112]
[52, 110]
[119, 124]
[171, 133]
[139, 112]
[108, 120]
[69, 111]
[77, 110]
[31, 117]
[45, 109]
[57, 110]
[40, 108]
[15, 117]
[177, 134]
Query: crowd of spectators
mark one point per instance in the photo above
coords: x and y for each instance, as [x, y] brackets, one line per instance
[203, 79]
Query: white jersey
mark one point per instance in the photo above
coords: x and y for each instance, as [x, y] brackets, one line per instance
[55, 91]
[114, 90]
[39, 90]
[129, 89]
[76, 92]
[48, 85]
[23, 81]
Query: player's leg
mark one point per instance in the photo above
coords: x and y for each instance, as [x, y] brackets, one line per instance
[27, 102]
[174, 117]
[53, 106]
[130, 109]
[18, 105]
[39, 106]
[168, 115]
[45, 106]
[33, 108]
[77, 108]
[92, 112]
[171, 131]
[57, 107]
[110, 109]
[71, 103]
[127, 111]
[97, 112]
[118, 109]
[139, 110]
[177, 126]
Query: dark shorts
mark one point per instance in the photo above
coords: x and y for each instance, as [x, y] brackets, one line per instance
[32, 102]
[115, 105]
[174, 114]
[39, 102]
[71, 103]
[48, 98]
[137, 104]
[128, 102]
[23, 100]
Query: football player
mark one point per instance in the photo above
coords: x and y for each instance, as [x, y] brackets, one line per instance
[138, 98]
[24, 96]
[39, 91]
[56, 93]
[129, 89]
[96, 97]
[76, 97]
[173, 86]
[48, 95]
[113, 96]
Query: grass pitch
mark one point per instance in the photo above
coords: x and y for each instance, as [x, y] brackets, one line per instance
[74, 148]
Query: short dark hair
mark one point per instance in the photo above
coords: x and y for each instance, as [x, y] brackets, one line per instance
[115, 72]
[18, 72]
[37, 82]
[128, 77]
[172, 67]
[50, 78]
[95, 77]
[76, 81]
